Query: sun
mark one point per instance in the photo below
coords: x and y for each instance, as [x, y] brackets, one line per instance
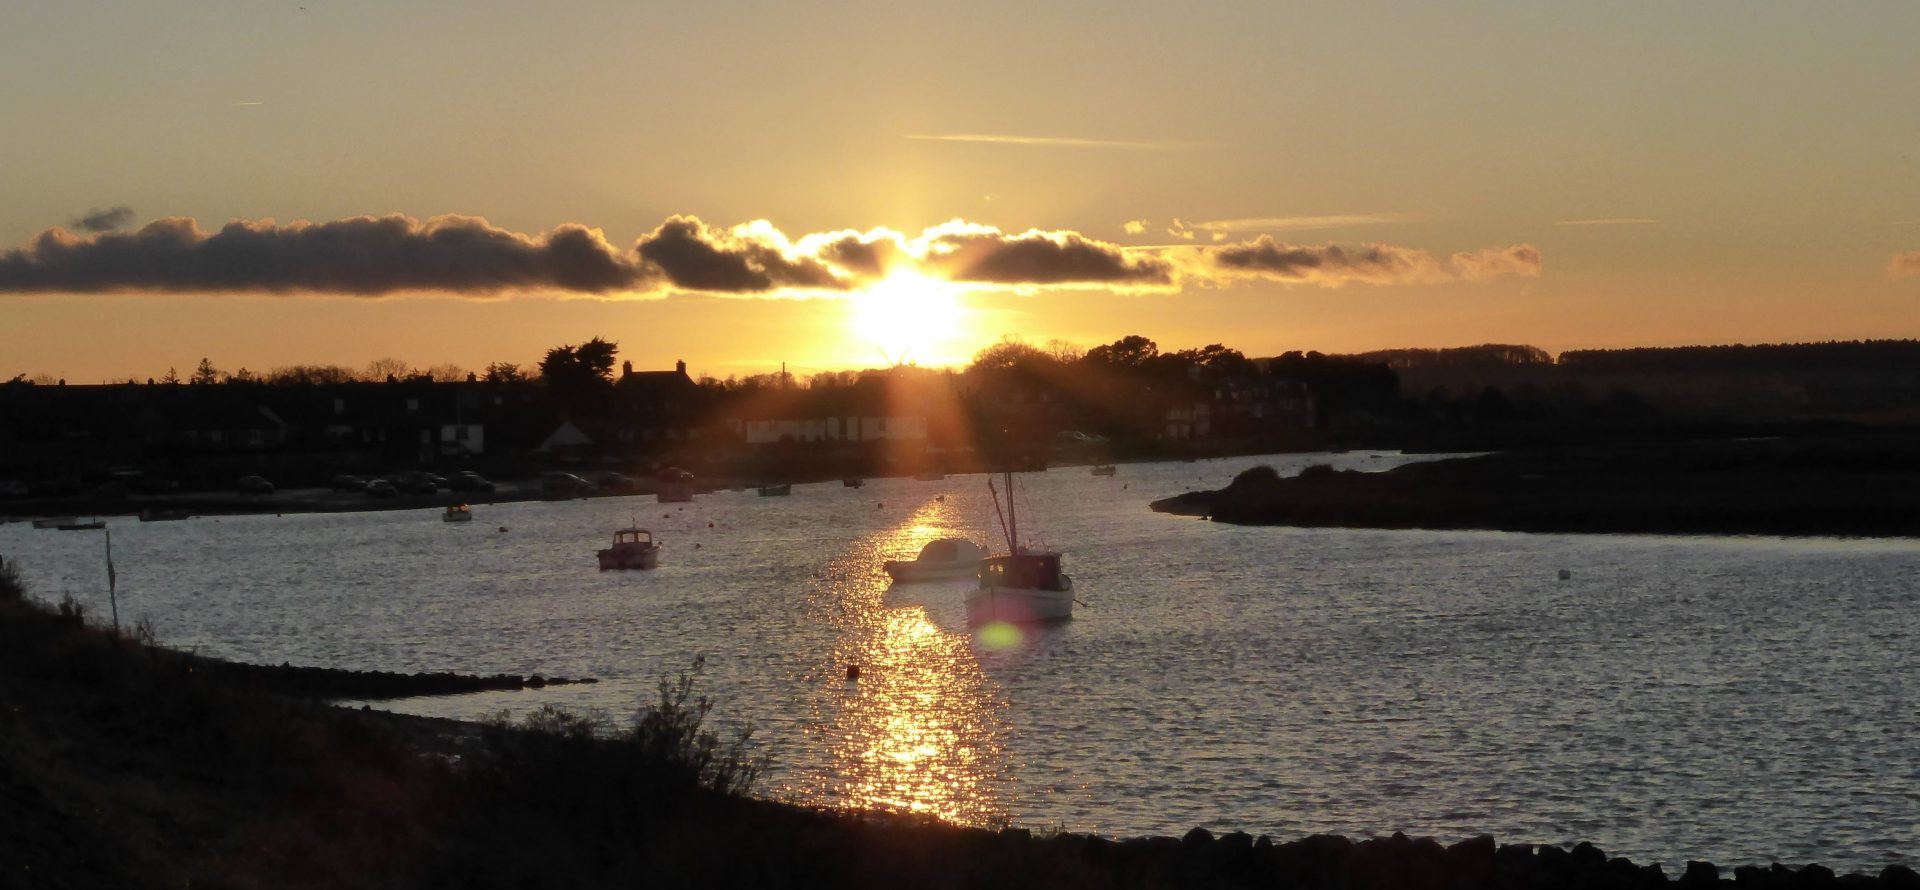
[909, 317]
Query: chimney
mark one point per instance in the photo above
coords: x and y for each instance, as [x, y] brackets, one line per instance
[680, 367]
[626, 369]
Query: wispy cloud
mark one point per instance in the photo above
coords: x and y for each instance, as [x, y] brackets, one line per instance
[1610, 221]
[249, 102]
[1904, 265]
[107, 220]
[1047, 141]
[1297, 223]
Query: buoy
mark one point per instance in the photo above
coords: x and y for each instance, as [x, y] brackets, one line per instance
[1565, 574]
[853, 673]
[696, 546]
[503, 529]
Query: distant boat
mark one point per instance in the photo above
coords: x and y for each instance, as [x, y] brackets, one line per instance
[633, 548]
[152, 515]
[776, 491]
[1022, 586]
[853, 483]
[457, 513]
[54, 522]
[78, 526]
[929, 476]
[1104, 470]
[944, 559]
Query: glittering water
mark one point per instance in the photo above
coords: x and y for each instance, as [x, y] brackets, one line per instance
[1734, 699]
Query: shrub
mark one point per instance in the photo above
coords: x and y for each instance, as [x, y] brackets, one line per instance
[1260, 475]
[11, 587]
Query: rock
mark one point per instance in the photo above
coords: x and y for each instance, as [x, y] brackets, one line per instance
[1237, 841]
[1899, 877]
[1586, 855]
[1199, 837]
[1700, 874]
[1021, 835]
[1750, 876]
[1813, 875]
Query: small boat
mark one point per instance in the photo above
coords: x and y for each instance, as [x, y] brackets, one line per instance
[853, 483]
[152, 515]
[943, 559]
[457, 513]
[77, 526]
[1104, 470]
[55, 522]
[929, 476]
[1021, 586]
[633, 548]
[776, 491]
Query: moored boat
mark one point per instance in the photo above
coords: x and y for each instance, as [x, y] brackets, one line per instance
[675, 486]
[55, 521]
[633, 548]
[853, 482]
[78, 526]
[1022, 585]
[1105, 470]
[943, 559]
[776, 491]
[457, 513]
[930, 476]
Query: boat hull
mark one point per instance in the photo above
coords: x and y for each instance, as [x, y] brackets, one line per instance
[55, 522]
[457, 517]
[611, 559]
[908, 571]
[1019, 605]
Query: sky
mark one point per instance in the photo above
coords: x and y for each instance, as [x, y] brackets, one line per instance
[839, 185]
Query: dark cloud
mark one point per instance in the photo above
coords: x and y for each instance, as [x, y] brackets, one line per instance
[359, 255]
[750, 259]
[970, 253]
[1334, 265]
[110, 219]
[457, 254]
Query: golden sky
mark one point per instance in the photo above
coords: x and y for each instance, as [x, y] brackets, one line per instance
[740, 184]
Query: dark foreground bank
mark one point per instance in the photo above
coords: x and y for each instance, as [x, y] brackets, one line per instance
[127, 765]
[1861, 486]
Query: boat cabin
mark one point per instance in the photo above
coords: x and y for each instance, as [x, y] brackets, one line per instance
[1026, 571]
[633, 536]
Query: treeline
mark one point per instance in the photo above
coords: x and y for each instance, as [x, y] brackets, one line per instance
[1836, 355]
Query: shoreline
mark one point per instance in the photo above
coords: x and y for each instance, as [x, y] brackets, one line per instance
[1799, 487]
[131, 767]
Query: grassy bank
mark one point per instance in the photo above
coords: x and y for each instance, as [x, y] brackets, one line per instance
[1862, 486]
[128, 765]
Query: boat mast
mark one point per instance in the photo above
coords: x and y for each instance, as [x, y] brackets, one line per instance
[1013, 519]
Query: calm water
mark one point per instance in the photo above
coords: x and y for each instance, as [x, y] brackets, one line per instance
[1735, 699]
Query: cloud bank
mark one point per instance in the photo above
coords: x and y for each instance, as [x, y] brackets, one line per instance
[98, 220]
[373, 256]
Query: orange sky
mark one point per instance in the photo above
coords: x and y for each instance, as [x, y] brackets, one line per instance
[1566, 177]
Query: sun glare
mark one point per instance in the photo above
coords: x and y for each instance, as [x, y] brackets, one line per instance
[910, 317]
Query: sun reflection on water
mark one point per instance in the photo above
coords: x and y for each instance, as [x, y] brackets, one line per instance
[921, 730]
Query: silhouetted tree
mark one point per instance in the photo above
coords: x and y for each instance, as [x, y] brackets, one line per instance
[504, 372]
[388, 368]
[206, 373]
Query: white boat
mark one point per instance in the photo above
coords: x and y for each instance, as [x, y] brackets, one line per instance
[633, 548]
[940, 560]
[1104, 470]
[1021, 586]
[457, 513]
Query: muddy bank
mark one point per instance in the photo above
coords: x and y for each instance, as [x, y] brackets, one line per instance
[1862, 486]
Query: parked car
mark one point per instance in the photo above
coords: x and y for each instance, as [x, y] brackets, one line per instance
[413, 482]
[565, 483]
[345, 482]
[381, 488]
[254, 485]
[468, 480]
[611, 481]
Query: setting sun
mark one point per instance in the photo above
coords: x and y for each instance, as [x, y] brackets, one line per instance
[910, 317]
